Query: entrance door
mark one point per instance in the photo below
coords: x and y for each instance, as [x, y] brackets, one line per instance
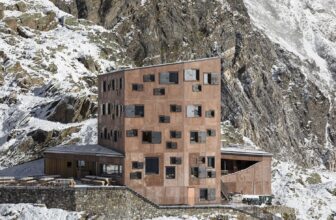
[191, 196]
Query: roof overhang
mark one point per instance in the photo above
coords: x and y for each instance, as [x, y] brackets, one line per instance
[244, 152]
[84, 150]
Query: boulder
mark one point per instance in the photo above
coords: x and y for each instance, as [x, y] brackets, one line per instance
[21, 6]
[11, 22]
[39, 21]
[89, 63]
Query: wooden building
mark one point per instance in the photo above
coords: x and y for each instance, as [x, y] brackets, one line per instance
[165, 119]
[159, 133]
[246, 171]
[81, 160]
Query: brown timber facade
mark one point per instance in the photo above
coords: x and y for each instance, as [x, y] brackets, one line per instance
[166, 121]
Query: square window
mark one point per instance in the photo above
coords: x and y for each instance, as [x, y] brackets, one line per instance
[175, 134]
[194, 111]
[171, 145]
[197, 88]
[170, 172]
[159, 91]
[69, 164]
[137, 87]
[211, 174]
[137, 165]
[152, 165]
[80, 163]
[169, 78]
[135, 175]
[197, 137]
[175, 108]
[164, 119]
[191, 75]
[210, 114]
[175, 160]
[149, 78]
[134, 111]
[211, 132]
[194, 171]
[132, 133]
[201, 160]
[151, 137]
[211, 78]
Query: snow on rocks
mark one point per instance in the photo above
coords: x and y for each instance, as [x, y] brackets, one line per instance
[34, 211]
[46, 54]
[303, 27]
[309, 191]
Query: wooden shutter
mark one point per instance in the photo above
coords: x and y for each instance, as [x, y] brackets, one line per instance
[215, 79]
[211, 194]
[202, 172]
[156, 137]
[129, 111]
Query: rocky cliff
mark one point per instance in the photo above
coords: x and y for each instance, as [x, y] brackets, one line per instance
[268, 93]
[278, 71]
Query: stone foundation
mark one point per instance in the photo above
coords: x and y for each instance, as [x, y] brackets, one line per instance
[108, 202]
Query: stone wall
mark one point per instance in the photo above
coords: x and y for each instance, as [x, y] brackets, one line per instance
[108, 202]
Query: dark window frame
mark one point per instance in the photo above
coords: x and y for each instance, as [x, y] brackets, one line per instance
[210, 113]
[159, 91]
[175, 134]
[171, 145]
[197, 75]
[152, 165]
[136, 175]
[197, 88]
[132, 133]
[164, 119]
[137, 87]
[175, 160]
[211, 161]
[198, 111]
[137, 165]
[172, 172]
[175, 108]
[211, 132]
[172, 76]
[149, 78]
[150, 135]
[138, 110]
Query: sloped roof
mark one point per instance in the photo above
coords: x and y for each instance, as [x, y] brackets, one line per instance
[126, 69]
[241, 151]
[92, 149]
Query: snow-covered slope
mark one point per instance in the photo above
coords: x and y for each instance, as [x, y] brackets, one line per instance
[45, 55]
[312, 192]
[304, 27]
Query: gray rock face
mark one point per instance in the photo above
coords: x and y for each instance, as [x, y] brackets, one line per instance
[265, 95]
[2, 8]
[68, 109]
